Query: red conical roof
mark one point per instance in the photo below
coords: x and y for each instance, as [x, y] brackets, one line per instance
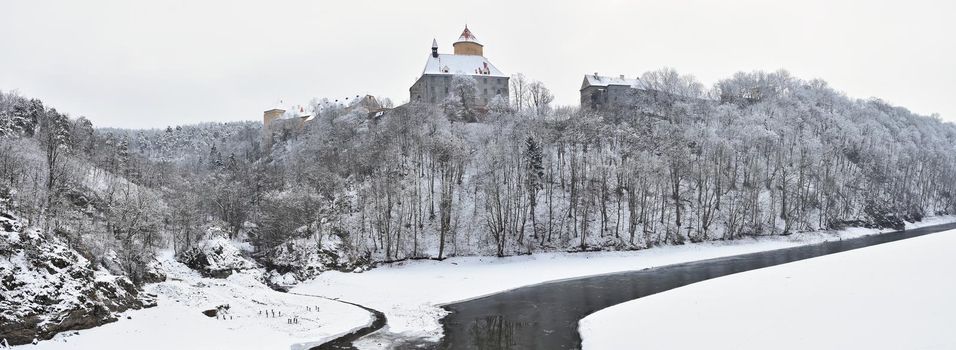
[466, 35]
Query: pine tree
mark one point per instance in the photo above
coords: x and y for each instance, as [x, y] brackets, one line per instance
[534, 178]
[123, 157]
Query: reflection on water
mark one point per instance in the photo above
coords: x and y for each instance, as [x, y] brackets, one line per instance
[494, 332]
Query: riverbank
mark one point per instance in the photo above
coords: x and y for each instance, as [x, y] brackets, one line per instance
[410, 294]
[178, 322]
[891, 296]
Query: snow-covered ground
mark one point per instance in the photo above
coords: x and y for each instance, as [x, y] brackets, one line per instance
[178, 322]
[411, 294]
[898, 295]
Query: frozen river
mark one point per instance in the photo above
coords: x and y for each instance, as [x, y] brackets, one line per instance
[545, 316]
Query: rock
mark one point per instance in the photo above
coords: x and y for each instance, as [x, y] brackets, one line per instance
[48, 287]
[154, 273]
[216, 257]
[307, 258]
[111, 262]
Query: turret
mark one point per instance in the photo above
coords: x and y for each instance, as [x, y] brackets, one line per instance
[468, 44]
[268, 117]
[434, 48]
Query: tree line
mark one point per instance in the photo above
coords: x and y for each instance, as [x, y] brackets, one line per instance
[756, 154]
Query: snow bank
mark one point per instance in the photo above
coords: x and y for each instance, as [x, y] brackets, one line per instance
[892, 296]
[178, 321]
[411, 293]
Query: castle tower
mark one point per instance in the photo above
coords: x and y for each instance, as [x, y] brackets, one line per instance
[468, 44]
[268, 117]
[271, 115]
[434, 85]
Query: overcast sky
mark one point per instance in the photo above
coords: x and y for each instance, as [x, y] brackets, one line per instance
[157, 63]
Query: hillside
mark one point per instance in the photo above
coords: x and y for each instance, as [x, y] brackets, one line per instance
[757, 155]
[48, 287]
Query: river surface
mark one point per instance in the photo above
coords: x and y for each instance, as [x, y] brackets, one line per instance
[545, 316]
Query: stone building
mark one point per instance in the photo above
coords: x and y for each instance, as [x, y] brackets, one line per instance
[278, 120]
[283, 122]
[468, 59]
[600, 92]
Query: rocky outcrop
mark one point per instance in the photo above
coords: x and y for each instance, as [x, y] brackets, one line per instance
[47, 287]
[154, 273]
[299, 259]
[216, 257]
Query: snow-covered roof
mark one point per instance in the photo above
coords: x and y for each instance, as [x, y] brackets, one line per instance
[467, 36]
[278, 105]
[597, 80]
[301, 111]
[461, 64]
[293, 111]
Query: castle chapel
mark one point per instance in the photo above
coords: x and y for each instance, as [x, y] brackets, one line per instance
[435, 83]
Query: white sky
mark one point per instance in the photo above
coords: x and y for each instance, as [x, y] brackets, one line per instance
[158, 63]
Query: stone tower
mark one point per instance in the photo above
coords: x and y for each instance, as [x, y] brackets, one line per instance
[468, 44]
[268, 117]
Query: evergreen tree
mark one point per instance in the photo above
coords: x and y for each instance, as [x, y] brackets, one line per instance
[534, 178]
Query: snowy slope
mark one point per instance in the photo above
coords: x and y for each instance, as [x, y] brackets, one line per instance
[178, 322]
[48, 287]
[892, 296]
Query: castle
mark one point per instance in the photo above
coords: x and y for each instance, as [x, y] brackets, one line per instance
[601, 92]
[284, 119]
[434, 85]
[468, 59]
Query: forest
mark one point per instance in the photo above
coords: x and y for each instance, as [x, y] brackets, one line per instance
[756, 154]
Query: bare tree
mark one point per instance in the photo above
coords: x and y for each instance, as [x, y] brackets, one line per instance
[539, 98]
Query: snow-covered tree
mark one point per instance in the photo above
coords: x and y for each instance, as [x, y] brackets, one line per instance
[462, 101]
[539, 98]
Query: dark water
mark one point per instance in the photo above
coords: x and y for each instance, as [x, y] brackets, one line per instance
[546, 316]
[345, 342]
